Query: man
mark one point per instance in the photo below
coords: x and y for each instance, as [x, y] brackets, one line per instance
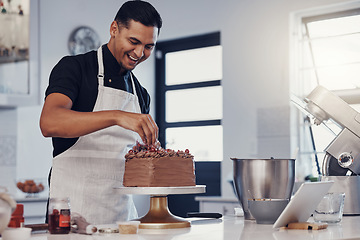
[95, 110]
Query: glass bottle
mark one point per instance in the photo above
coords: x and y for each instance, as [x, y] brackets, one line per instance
[17, 217]
[59, 215]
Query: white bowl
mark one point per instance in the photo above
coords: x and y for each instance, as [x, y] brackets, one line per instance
[16, 233]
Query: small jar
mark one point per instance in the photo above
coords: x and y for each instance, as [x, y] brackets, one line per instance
[59, 216]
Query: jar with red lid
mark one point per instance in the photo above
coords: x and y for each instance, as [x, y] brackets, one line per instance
[17, 217]
[59, 216]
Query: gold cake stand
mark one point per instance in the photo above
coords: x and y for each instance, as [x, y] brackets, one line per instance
[159, 216]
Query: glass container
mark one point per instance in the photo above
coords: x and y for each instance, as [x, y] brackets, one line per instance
[59, 215]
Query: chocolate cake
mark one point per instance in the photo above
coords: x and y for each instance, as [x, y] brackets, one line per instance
[147, 166]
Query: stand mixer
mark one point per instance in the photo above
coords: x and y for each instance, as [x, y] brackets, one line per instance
[342, 160]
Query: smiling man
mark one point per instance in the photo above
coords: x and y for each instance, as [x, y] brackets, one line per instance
[131, 44]
[95, 110]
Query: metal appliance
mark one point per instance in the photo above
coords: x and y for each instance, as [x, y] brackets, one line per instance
[262, 178]
[342, 159]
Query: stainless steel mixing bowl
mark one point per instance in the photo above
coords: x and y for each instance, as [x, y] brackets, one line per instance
[262, 178]
[267, 211]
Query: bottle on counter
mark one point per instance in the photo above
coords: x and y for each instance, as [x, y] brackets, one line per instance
[59, 216]
[17, 217]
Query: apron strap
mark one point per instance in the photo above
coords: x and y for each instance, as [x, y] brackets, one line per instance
[101, 71]
[133, 84]
[101, 66]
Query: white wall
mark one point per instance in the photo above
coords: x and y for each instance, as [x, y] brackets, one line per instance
[255, 39]
[8, 144]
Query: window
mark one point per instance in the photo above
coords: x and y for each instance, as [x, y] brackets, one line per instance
[189, 95]
[325, 51]
[189, 109]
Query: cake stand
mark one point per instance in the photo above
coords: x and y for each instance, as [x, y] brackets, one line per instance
[159, 216]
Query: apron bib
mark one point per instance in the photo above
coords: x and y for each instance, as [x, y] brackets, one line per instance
[89, 170]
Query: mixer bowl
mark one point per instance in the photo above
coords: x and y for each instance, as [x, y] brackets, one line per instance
[267, 211]
[263, 178]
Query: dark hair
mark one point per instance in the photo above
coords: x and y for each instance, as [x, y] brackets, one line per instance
[139, 11]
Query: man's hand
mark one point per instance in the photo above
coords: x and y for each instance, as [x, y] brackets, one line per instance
[143, 124]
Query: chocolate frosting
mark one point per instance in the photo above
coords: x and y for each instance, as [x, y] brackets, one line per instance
[158, 168]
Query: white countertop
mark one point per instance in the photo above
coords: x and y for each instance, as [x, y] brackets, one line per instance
[226, 228]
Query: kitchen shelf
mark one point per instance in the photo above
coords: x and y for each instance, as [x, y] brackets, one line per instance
[20, 82]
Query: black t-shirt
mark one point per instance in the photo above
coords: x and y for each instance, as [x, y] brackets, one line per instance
[76, 77]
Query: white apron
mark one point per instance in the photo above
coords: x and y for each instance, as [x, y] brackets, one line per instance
[88, 171]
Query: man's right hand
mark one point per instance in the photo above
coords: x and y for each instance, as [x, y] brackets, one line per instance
[143, 124]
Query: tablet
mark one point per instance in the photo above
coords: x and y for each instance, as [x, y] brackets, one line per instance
[303, 203]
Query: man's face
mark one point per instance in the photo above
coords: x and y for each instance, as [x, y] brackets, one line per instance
[133, 45]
